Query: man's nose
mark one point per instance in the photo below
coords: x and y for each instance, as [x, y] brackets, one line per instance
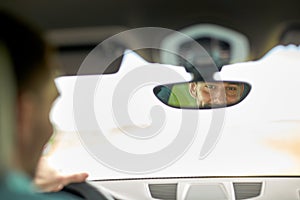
[219, 97]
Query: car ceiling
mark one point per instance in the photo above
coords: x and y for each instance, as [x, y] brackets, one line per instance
[261, 21]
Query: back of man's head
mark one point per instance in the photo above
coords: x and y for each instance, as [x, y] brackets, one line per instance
[7, 111]
[28, 52]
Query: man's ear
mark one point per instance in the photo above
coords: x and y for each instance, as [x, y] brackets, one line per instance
[192, 89]
[25, 118]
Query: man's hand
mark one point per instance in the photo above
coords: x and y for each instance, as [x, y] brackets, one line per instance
[47, 179]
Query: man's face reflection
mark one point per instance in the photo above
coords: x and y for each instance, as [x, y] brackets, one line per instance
[210, 94]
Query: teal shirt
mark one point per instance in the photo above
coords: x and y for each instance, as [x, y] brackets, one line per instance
[19, 183]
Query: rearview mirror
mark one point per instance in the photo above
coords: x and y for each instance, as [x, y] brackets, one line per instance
[202, 95]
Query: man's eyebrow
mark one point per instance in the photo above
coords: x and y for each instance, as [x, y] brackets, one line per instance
[211, 83]
[231, 85]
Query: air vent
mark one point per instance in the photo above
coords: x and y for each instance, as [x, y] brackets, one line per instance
[163, 191]
[246, 190]
[214, 191]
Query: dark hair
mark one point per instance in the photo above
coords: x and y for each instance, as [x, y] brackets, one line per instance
[28, 52]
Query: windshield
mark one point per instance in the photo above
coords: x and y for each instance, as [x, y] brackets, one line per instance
[118, 128]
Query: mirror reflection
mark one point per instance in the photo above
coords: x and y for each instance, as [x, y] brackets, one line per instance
[202, 95]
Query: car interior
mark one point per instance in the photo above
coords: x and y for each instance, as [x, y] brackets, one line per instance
[235, 166]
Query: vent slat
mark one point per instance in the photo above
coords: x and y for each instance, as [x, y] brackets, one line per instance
[245, 190]
[163, 191]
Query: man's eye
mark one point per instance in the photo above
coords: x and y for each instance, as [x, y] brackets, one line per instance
[231, 91]
[211, 87]
[231, 88]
